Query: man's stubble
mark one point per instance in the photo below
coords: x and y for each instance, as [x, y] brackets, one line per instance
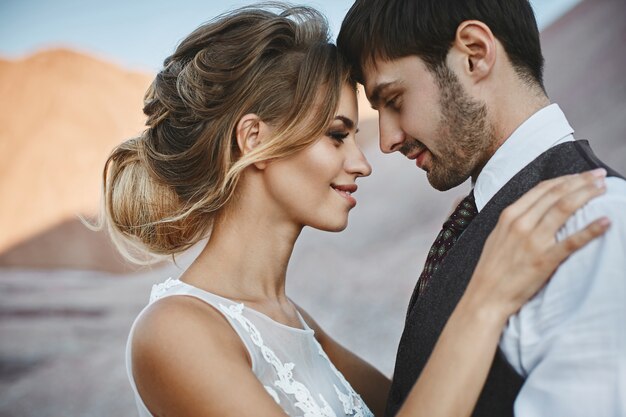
[465, 137]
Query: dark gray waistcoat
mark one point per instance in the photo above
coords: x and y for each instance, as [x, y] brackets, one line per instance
[426, 319]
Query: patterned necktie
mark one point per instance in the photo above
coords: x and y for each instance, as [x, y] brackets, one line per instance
[450, 232]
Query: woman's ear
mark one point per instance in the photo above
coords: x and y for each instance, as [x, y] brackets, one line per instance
[475, 46]
[248, 133]
[251, 132]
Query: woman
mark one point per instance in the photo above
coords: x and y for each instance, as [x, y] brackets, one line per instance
[251, 137]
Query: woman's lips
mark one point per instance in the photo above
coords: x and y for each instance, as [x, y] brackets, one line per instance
[346, 192]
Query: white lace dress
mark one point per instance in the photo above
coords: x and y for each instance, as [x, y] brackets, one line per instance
[289, 362]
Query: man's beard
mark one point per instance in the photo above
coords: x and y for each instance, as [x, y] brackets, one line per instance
[465, 138]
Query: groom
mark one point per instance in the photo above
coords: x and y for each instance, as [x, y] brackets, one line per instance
[458, 87]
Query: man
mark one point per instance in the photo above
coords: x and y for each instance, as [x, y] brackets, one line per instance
[459, 90]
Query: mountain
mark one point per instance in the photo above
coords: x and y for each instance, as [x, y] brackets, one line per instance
[61, 113]
[585, 55]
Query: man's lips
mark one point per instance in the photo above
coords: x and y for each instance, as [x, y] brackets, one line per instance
[414, 153]
[418, 155]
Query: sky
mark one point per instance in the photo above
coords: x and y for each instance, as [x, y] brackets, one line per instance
[139, 34]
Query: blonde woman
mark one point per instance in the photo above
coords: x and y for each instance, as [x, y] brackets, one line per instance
[251, 137]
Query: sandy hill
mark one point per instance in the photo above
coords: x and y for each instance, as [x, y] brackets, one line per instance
[61, 112]
[585, 57]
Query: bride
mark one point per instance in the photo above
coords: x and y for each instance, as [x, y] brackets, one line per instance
[251, 137]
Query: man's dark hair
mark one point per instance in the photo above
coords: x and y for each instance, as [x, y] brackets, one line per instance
[392, 29]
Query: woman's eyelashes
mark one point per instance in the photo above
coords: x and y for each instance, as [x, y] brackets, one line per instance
[338, 135]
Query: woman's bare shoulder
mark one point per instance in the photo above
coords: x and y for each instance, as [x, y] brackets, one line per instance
[187, 360]
[178, 323]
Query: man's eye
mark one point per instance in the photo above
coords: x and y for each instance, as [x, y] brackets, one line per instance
[338, 136]
[392, 103]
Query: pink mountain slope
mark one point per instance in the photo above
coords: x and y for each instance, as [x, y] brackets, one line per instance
[61, 113]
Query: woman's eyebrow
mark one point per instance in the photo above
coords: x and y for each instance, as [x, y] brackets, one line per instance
[346, 121]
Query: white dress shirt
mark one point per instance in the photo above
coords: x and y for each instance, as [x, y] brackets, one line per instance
[569, 341]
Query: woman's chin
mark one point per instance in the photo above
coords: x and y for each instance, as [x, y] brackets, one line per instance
[328, 226]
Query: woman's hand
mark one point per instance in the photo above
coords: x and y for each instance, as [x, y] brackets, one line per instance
[522, 253]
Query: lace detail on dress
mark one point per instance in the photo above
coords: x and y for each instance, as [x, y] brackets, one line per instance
[285, 381]
[158, 290]
[353, 404]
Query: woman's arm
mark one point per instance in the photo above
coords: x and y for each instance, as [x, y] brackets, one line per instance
[519, 256]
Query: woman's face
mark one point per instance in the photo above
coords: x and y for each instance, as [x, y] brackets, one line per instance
[315, 186]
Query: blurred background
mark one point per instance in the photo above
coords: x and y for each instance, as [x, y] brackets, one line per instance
[72, 78]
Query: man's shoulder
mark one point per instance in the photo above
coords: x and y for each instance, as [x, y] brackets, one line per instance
[590, 274]
[611, 204]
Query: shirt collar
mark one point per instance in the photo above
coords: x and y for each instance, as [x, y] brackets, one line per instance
[541, 131]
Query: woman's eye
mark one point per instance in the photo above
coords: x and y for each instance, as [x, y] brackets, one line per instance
[338, 136]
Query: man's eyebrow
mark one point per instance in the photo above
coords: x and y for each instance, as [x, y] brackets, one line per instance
[346, 121]
[374, 98]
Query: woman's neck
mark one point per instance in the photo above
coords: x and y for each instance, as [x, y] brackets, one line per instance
[247, 255]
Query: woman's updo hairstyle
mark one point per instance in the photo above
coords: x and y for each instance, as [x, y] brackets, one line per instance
[163, 190]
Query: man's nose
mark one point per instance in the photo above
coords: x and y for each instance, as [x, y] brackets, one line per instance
[390, 135]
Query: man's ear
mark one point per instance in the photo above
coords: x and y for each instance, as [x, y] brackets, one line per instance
[250, 132]
[474, 49]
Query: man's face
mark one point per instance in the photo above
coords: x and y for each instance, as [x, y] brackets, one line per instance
[428, 117]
